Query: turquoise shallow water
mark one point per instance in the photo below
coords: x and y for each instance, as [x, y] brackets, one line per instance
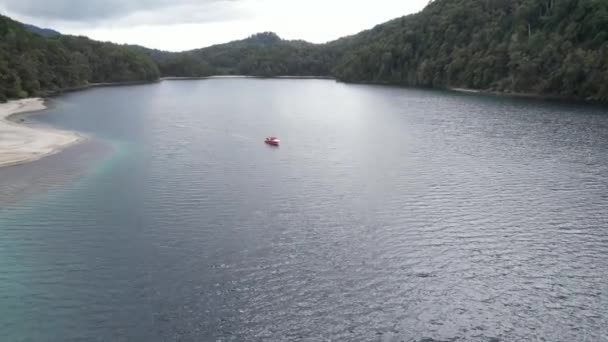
[387, 214]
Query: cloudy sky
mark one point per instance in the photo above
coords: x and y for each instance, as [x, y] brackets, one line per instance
[187, 24]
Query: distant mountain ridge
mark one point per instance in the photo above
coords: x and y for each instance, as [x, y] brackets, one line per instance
[540, 47]
[45, 32]
[262, 54]
[545, 48]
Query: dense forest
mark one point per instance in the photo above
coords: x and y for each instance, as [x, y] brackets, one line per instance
[263, 54]
[556, 48]
[548, 47]
[32, 64]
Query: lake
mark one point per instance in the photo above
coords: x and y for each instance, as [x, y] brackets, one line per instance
[387, 214]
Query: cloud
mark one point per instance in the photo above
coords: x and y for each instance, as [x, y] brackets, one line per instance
[179, 25]
[124, 12]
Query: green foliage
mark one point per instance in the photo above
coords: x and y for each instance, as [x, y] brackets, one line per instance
[32, 65]
[185, 65]
[547, 47]
[263, 54]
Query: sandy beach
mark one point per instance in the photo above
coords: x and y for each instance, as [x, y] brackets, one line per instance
[22, 144]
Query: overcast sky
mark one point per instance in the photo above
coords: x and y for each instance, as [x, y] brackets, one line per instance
[178, 25]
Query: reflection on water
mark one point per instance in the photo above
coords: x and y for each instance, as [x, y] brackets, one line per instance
[387, 214]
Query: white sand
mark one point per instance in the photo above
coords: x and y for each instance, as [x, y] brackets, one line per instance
[22, 144]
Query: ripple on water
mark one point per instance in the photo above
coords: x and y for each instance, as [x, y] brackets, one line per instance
[471, 219]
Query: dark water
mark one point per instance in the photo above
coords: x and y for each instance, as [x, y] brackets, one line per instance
[387, 214]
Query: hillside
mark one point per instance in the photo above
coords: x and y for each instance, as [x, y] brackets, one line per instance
[555, 48]
[263, 54]
[45, 32]
[32, 65]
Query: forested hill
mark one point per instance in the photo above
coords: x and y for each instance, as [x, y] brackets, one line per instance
[41, 31]
[548, 47]
[263, 54]
[556, 48]
[32, 64]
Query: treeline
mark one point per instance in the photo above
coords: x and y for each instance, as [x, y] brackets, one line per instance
[33, 65]
[555, 48]
[263, 54]
[548, 47]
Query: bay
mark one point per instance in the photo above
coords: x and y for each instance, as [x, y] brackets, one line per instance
[386, 214]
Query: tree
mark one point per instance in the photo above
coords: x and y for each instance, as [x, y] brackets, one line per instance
[31, 64]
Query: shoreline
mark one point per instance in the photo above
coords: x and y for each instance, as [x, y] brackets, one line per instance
[188, 78]
[21, 144]
[528, 96]
[485, 92]
[96, 85]
[514, 95]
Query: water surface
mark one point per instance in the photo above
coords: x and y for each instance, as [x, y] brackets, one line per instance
[387, 214]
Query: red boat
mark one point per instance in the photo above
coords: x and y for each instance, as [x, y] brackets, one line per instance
[274, 141]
